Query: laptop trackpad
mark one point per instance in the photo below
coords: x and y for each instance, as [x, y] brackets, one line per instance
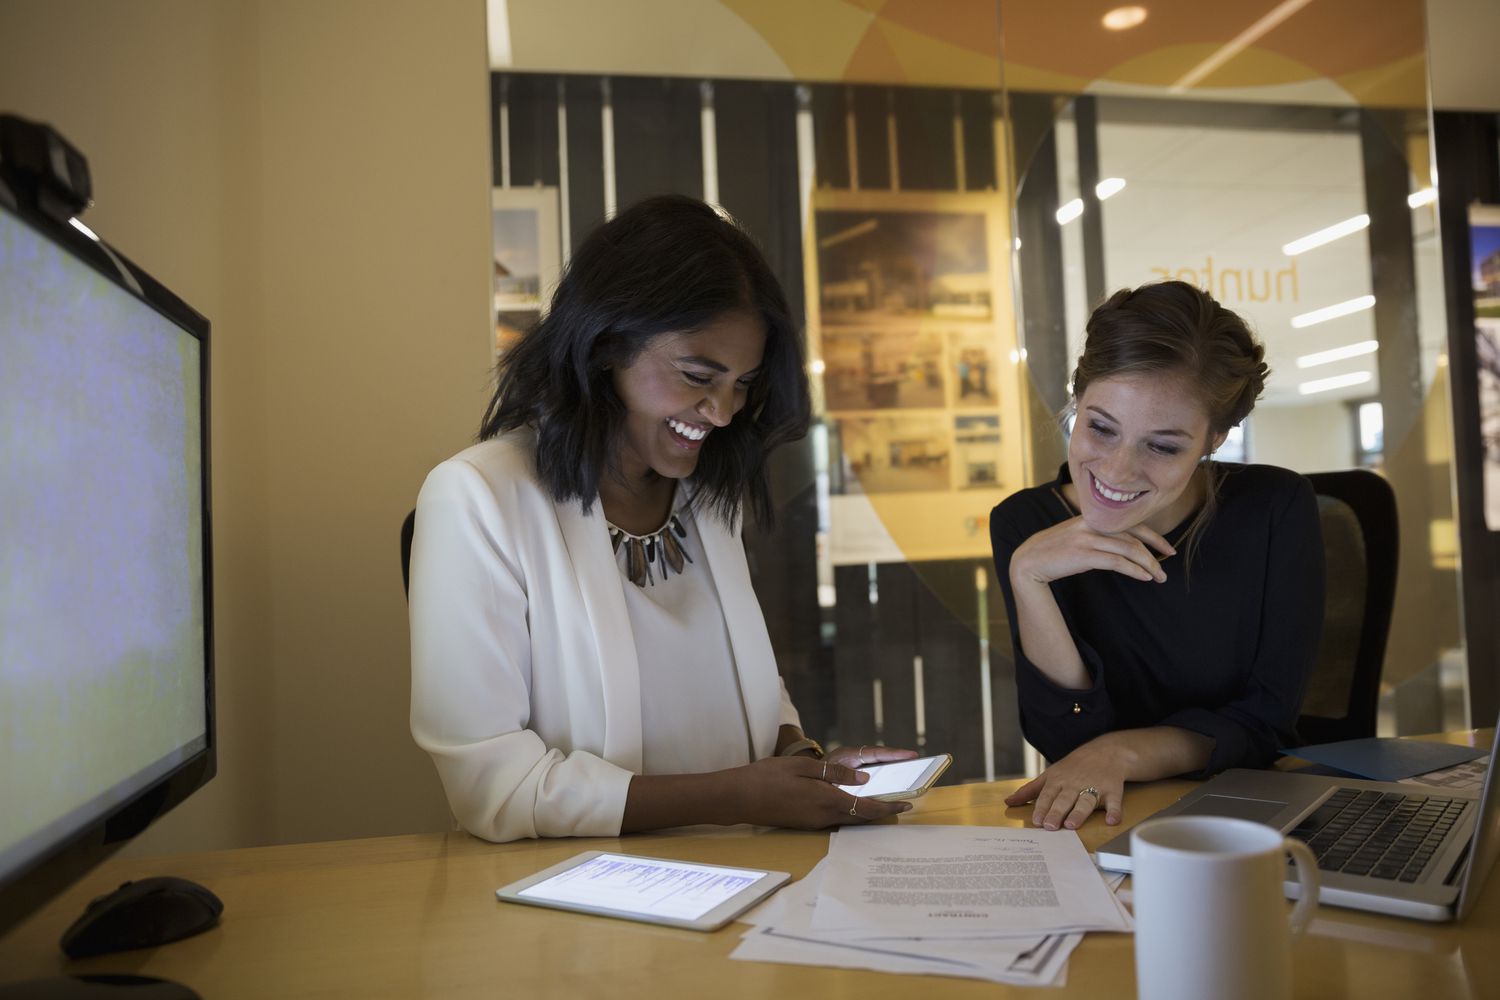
[1259, 810]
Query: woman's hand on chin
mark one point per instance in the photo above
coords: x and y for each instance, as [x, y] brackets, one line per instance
[1072, 547]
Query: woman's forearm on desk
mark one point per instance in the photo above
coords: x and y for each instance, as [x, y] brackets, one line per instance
[657, 801]
[1158, 751]
[797, 792]
[1094, 775]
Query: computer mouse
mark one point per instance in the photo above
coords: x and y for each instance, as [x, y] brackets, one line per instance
[142, 914]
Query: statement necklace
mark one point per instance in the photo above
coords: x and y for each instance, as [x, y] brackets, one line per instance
[661, 549]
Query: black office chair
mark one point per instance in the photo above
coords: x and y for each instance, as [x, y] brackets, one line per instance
[408, 528]
[1357, 510]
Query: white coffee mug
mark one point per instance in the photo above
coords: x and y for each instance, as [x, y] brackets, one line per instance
[1210, 916]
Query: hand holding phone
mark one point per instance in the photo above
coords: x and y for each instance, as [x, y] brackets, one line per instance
[901, 779]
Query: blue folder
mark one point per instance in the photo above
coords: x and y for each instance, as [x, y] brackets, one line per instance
[1385, 759]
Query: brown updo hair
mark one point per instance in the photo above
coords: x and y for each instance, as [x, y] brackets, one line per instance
[1174, 328]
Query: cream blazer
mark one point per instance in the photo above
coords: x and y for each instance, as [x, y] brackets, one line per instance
[525, 685]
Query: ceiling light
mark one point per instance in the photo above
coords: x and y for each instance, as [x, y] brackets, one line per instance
[1328, 235]
[1426, 196]
[1238, 44]
[1122, 18]
[1333, 312]
[817, 367]
[1338, 354]
[1336, 382]
[1109, 186]
[1070, 211]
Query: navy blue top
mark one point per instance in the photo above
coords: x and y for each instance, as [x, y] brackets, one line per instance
[1223, 650]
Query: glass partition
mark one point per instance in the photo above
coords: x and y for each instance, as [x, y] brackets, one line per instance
[943, 221]
[1278, 157]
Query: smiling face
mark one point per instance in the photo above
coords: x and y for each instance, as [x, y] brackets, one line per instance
[1134, 452]
[681, 388]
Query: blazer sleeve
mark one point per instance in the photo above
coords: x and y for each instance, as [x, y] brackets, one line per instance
[471, 677]
[1250, 729]
[789, 715]
[1054, 719]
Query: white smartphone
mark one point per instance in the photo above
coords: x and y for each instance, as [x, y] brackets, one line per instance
[901, 779]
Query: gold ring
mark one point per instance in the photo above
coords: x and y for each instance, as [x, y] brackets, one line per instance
[1091, 790]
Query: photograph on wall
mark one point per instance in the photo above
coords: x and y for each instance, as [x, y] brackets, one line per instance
[892, 454]
[976, 450]
[524, 259]
[891, 265]
[913, 340]
[1484, 236]
[975, 365]
[883, 369]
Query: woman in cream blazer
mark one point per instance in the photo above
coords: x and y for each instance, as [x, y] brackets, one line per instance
[667, 358]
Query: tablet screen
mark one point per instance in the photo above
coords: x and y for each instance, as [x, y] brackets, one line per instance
[645, 886]
[894, 777]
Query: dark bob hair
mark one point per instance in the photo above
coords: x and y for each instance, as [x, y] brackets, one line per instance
[669, 264]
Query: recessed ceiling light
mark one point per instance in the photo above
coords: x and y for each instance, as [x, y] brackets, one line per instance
[1122, 18]
[1333, 312]
[1338, 354]
[1326, 235]
[1109, 186]
[1336, 382]
[1070, 211]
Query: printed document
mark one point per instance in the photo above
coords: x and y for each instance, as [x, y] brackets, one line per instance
[782, 933]
[955, 881]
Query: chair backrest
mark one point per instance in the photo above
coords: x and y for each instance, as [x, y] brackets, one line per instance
[408, 528]
[1357, 511]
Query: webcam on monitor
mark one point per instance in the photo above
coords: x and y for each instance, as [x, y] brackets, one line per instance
[44, 169]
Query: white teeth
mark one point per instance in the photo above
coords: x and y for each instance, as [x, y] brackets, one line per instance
[1110, 494]
[688, 430]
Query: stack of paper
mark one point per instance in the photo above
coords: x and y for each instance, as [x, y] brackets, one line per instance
[994, 903]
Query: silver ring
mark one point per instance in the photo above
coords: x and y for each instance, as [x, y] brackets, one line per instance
[862, 753]
[1091, 790]
[853, 806]
[825, 772]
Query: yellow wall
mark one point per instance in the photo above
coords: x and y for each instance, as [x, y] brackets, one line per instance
[314, 177]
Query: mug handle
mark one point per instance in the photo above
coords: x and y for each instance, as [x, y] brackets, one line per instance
[1309, 881]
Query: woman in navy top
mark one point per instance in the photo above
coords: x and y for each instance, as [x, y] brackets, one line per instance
[1165, 609]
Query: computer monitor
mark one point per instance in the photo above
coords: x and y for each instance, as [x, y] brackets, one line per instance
[106, 626]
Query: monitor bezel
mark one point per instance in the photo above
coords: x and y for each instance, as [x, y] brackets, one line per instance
[72, 856]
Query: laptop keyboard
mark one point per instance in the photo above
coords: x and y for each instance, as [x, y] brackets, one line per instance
[1381, 834]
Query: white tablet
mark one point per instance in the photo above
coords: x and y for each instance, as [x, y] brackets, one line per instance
[678, 893]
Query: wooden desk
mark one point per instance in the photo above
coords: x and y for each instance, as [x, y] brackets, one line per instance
[416, 916]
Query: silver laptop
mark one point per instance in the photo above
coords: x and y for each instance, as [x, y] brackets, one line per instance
[1404, 849]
